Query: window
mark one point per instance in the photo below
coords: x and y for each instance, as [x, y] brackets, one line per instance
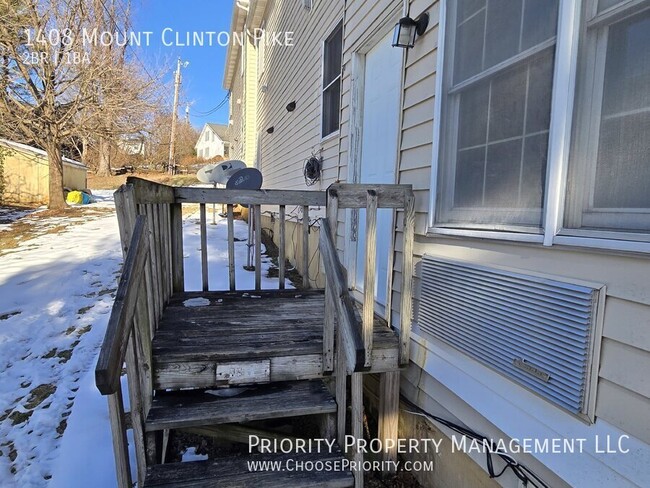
[207, 136]
[609, 171]
[332, 53]
[496, 113]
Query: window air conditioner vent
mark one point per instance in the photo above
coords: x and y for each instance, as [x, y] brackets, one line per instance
[535, 330]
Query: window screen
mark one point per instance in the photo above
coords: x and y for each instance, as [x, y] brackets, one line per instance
[497, 112]
[332, 54]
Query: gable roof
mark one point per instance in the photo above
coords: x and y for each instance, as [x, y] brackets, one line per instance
[220, 129]
[34, 150]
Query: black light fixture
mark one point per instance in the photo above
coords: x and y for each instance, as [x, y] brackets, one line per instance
[291, 107]
[270, 130]
[407, 29]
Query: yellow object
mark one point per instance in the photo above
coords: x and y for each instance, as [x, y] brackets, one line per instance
[75, 197]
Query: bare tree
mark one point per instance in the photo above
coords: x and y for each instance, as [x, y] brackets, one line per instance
[58, 80]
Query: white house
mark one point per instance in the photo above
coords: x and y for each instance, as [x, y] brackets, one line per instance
[213, 141]
[523, 129]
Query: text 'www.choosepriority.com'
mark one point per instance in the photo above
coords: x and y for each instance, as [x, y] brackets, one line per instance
[337, 465]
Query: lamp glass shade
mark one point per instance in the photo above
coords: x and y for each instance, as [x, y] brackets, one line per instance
[404, 33]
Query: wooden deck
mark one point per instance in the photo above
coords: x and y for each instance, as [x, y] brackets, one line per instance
[280, 344]
[271, 335]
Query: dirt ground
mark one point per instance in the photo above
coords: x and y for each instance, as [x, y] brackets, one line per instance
[112, 182]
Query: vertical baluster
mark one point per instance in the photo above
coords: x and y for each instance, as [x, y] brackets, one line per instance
[258, 246]
[305, 246]
[153, 260]
[283, 244]
[204, 249]
[120, 443]
[407, 280]
[370, 271]
[176, 224]
[231, 247]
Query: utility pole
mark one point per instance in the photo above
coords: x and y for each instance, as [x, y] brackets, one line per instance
[172, 139]
[187, 114]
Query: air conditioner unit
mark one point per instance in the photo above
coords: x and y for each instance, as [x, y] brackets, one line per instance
[539, 331]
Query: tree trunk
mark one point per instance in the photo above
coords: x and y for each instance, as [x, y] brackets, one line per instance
[55, 159]
[104, 167]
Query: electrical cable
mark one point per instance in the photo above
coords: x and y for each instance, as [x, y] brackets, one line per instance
[523, 473]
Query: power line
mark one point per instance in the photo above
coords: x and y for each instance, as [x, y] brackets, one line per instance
[213, 110]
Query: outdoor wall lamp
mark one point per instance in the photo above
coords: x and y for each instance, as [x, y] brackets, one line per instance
[407, 29]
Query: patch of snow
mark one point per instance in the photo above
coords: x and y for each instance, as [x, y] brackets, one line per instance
[191, 455]
[196, 302]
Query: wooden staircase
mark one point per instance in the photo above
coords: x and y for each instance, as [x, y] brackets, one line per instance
[214, 361]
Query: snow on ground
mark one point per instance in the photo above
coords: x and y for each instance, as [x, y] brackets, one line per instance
[56, 294]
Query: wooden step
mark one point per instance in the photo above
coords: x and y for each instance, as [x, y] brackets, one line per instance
[173, 410]
[234, 472]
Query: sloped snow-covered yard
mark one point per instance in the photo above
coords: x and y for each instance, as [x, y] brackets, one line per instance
[56, 293]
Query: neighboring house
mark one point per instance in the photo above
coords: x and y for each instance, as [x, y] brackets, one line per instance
[26, 174]
[134, 145]
[213, 141]
[524, 130]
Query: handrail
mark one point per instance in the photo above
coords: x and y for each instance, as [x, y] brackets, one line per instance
[120, 323]
[350, 333]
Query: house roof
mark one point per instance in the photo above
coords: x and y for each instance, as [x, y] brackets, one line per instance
[220, 129]
[24, 147]
[246, 14]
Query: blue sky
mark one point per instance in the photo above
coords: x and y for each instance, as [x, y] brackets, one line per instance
[202, 79]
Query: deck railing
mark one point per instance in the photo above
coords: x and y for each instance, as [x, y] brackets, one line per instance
[150, 218]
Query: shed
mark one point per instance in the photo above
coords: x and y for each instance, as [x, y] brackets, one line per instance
[25, 174]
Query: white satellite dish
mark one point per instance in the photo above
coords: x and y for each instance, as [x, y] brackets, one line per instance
[204, 175]
[224, 170]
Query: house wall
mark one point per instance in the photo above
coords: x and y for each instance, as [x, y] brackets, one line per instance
[214, 147]
[294, 73]
[26, 178]
[623, 387]
[236, 127]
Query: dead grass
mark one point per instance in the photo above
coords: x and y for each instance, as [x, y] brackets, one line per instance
[113, 182]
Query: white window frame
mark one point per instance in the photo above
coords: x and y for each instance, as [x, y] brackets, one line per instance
[559, 146]
[338, 78]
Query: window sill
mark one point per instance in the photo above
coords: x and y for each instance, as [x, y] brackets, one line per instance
[329, 137]
[602, 243]
[486, 234]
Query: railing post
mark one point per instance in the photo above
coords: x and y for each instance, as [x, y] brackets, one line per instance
[231, 247]
[257, 222]
[305, 246]
[370, 274]
[120, 443]
[407, 280]
[330, 322]
[282, 247]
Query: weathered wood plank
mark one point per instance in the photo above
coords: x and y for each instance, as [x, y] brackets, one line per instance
[155, 271]
[356, 422]
[250, 197]
[150, 192]
[341, 390]
[111, 356]
[354, 195]
[389, 414]
[370, 274]
[352, 342]
[236, 433]
[193, 409]
[201, 374]
[233, 472]
[137, 409]
[204, 248]
[329, 329]
[406, 300]
[257, 222]
[231, 248]
[120, 443]
[305, 246]
[178, 267]
[282, 247]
